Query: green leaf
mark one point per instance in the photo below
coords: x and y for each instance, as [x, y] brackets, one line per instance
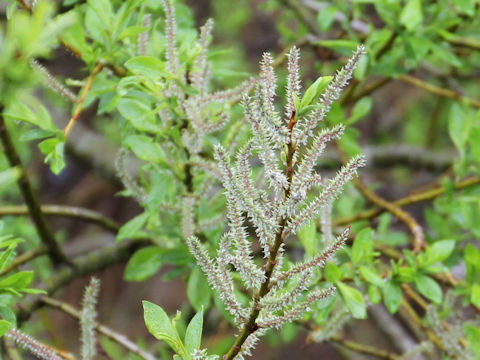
[36, 134]
[466, 6]
[392, 295]
[42, 119]
[332, 272]
[17, 281]
[7, 257]
[360, 110]
[438, 252]
[412, 15]
[374, 294]
[159, 325]
[54, 150]
[459, 126]
[315, 90]
[353, 299]
[193, 335]
[473, 336]
[145, 148]
[308, 237]
[198, 291]
[139, 114]
[472, 262]
[475, 295]
[325, 17]
[346, 47]
[362, 246]
[103, 9]
[4, 327]
[371, 276]
[149, 66]
[429, 288]
[143, 264]
[132, 228]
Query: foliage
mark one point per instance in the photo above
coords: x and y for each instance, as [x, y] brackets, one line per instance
[241, 213]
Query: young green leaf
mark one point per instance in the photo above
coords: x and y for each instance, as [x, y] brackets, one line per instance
[193, 335]
[4, 327]
[143, 264]
[353, 299]
[148, 66]
[360, 110]
[17, 281]
[132, 229]
[429, 288]
[473, 336]
[308, 236]
[198, 291]
[392, 295]
[412, 14]
[159, 325]
[362, 245]
[437, 252]
[332, 272]
[371, 276]
[315, 90]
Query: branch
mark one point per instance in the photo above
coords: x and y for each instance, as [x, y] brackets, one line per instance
[409, 199]
[102, 329]
[402, 215]
[437, 90]
[41, 224]
[364, 349]
[85, 265]
[77, 213]
[81, 100]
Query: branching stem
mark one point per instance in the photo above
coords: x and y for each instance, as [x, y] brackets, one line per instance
[250, 326]
[81, 100]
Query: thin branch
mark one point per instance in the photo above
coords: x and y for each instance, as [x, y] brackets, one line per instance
[102, 329]
[84, 265]
[41, 224]
[369, 89]
[81, 100]
[437, 90]
[402, 215]
[418, 321]
[74, 212]
[365, 349]
[409, 199]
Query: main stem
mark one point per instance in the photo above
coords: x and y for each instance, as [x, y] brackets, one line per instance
[38, 217]
[250, 326]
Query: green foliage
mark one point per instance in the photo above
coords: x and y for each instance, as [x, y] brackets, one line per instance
[160, 326]
[153, 85]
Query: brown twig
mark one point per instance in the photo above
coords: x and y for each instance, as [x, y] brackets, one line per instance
[365, 349]
[409, 199]
[84, 265]
[437, 90]
[74, 212]
[102, 329]
[81, 100]
[402, 215]
[41, 224]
